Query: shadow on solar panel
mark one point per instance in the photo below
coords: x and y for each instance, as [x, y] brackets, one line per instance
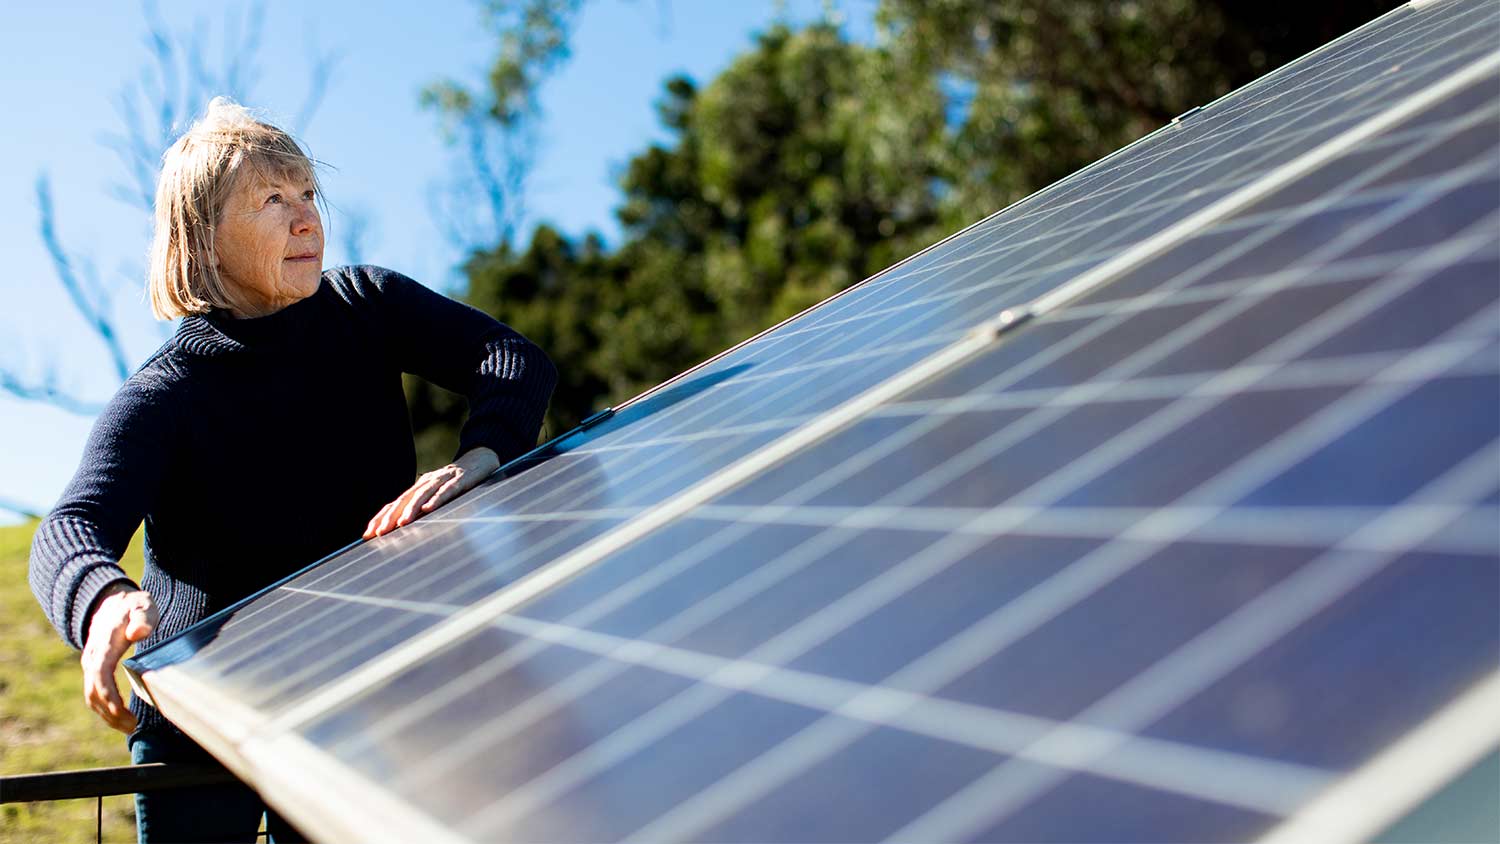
[1159, 506]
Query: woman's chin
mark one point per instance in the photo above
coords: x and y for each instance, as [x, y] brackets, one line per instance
[302, 277]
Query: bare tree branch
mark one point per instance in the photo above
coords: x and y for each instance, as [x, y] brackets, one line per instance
[48, 391]
[84, 292]
[493, 133]
[152, 107]
[322, 74]
[22, 510]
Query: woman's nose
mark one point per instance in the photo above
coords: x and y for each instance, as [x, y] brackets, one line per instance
[307, 219]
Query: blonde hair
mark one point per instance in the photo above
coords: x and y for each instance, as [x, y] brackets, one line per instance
[198, 174]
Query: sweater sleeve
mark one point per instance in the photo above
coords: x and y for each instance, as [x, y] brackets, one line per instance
[506, 378]
[76, 549]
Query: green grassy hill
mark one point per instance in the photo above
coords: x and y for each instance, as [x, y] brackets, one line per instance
[44, 725]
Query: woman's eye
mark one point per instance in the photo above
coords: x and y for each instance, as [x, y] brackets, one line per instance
[273, 198]
[309, 195]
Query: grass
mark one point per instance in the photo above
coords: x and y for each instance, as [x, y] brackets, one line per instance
[44, 724]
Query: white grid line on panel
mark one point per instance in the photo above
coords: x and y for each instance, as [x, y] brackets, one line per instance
[1214, 141]
[1075, 237]
[555, 516]
[1012, 277]
[1212, 654]
[1485, 236]
[1294, 277]
[780, 423]
[1293, 528]
[1223, 386]
[1041, 604]
[815, 743]
[1280, 177]
[684, 707]
[1235, 779]
[398, 546]
[591, 678]
[1403, 775]
[1342, 371]
[312, 655]
[867, 355]
[1342, 270]
[328, 656]
[1290, 70]
[705, 404]
[240, 633]
[841, 304]
[1189, 406]
[268, 629]
[1262, 527]
[1011, 270]
[1113, 159]
[1482, 234]
[1214, 123]
[1307, 337]
[540, 580]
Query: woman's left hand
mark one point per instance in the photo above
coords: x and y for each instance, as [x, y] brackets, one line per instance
[433, 490]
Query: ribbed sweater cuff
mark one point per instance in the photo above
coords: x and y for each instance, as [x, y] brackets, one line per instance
[507, 416]
[90, 583]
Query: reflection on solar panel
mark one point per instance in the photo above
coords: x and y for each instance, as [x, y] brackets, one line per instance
[1161, 505]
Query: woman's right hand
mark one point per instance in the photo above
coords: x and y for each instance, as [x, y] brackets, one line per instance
[124, 616]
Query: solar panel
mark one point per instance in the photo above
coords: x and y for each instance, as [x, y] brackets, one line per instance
[1159, 505]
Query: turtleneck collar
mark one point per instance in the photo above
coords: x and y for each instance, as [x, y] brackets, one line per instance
[219, 333]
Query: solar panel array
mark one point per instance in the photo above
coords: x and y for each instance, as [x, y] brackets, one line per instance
[1181, 548]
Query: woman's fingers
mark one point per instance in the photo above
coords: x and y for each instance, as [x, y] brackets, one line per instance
[430, 491]
[142, 618]
[372, 530]
[393, 518]
[375, 522]
[138, 625]
[418, 496]
[450, 490]
[388, 515]
[103, 696]
[385, 521]
[121, 619]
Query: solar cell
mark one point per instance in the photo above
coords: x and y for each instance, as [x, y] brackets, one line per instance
[1211, 530]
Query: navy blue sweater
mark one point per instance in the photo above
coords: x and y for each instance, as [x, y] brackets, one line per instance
[253, 447]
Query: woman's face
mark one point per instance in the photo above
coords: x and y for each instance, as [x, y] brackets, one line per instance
[269, 241]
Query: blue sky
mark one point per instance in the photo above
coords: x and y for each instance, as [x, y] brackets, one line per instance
[61, 69]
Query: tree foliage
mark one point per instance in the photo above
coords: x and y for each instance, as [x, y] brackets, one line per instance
[1043, 87]
[813, 162]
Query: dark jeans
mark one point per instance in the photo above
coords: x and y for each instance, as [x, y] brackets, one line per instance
[206, 813]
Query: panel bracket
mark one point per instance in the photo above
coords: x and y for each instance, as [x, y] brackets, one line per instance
[1007, 319]
[1185, 115]
[595, 419]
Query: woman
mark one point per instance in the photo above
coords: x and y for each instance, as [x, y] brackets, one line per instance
[269, 431]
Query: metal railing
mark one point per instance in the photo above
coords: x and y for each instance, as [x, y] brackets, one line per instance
[103, 782]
